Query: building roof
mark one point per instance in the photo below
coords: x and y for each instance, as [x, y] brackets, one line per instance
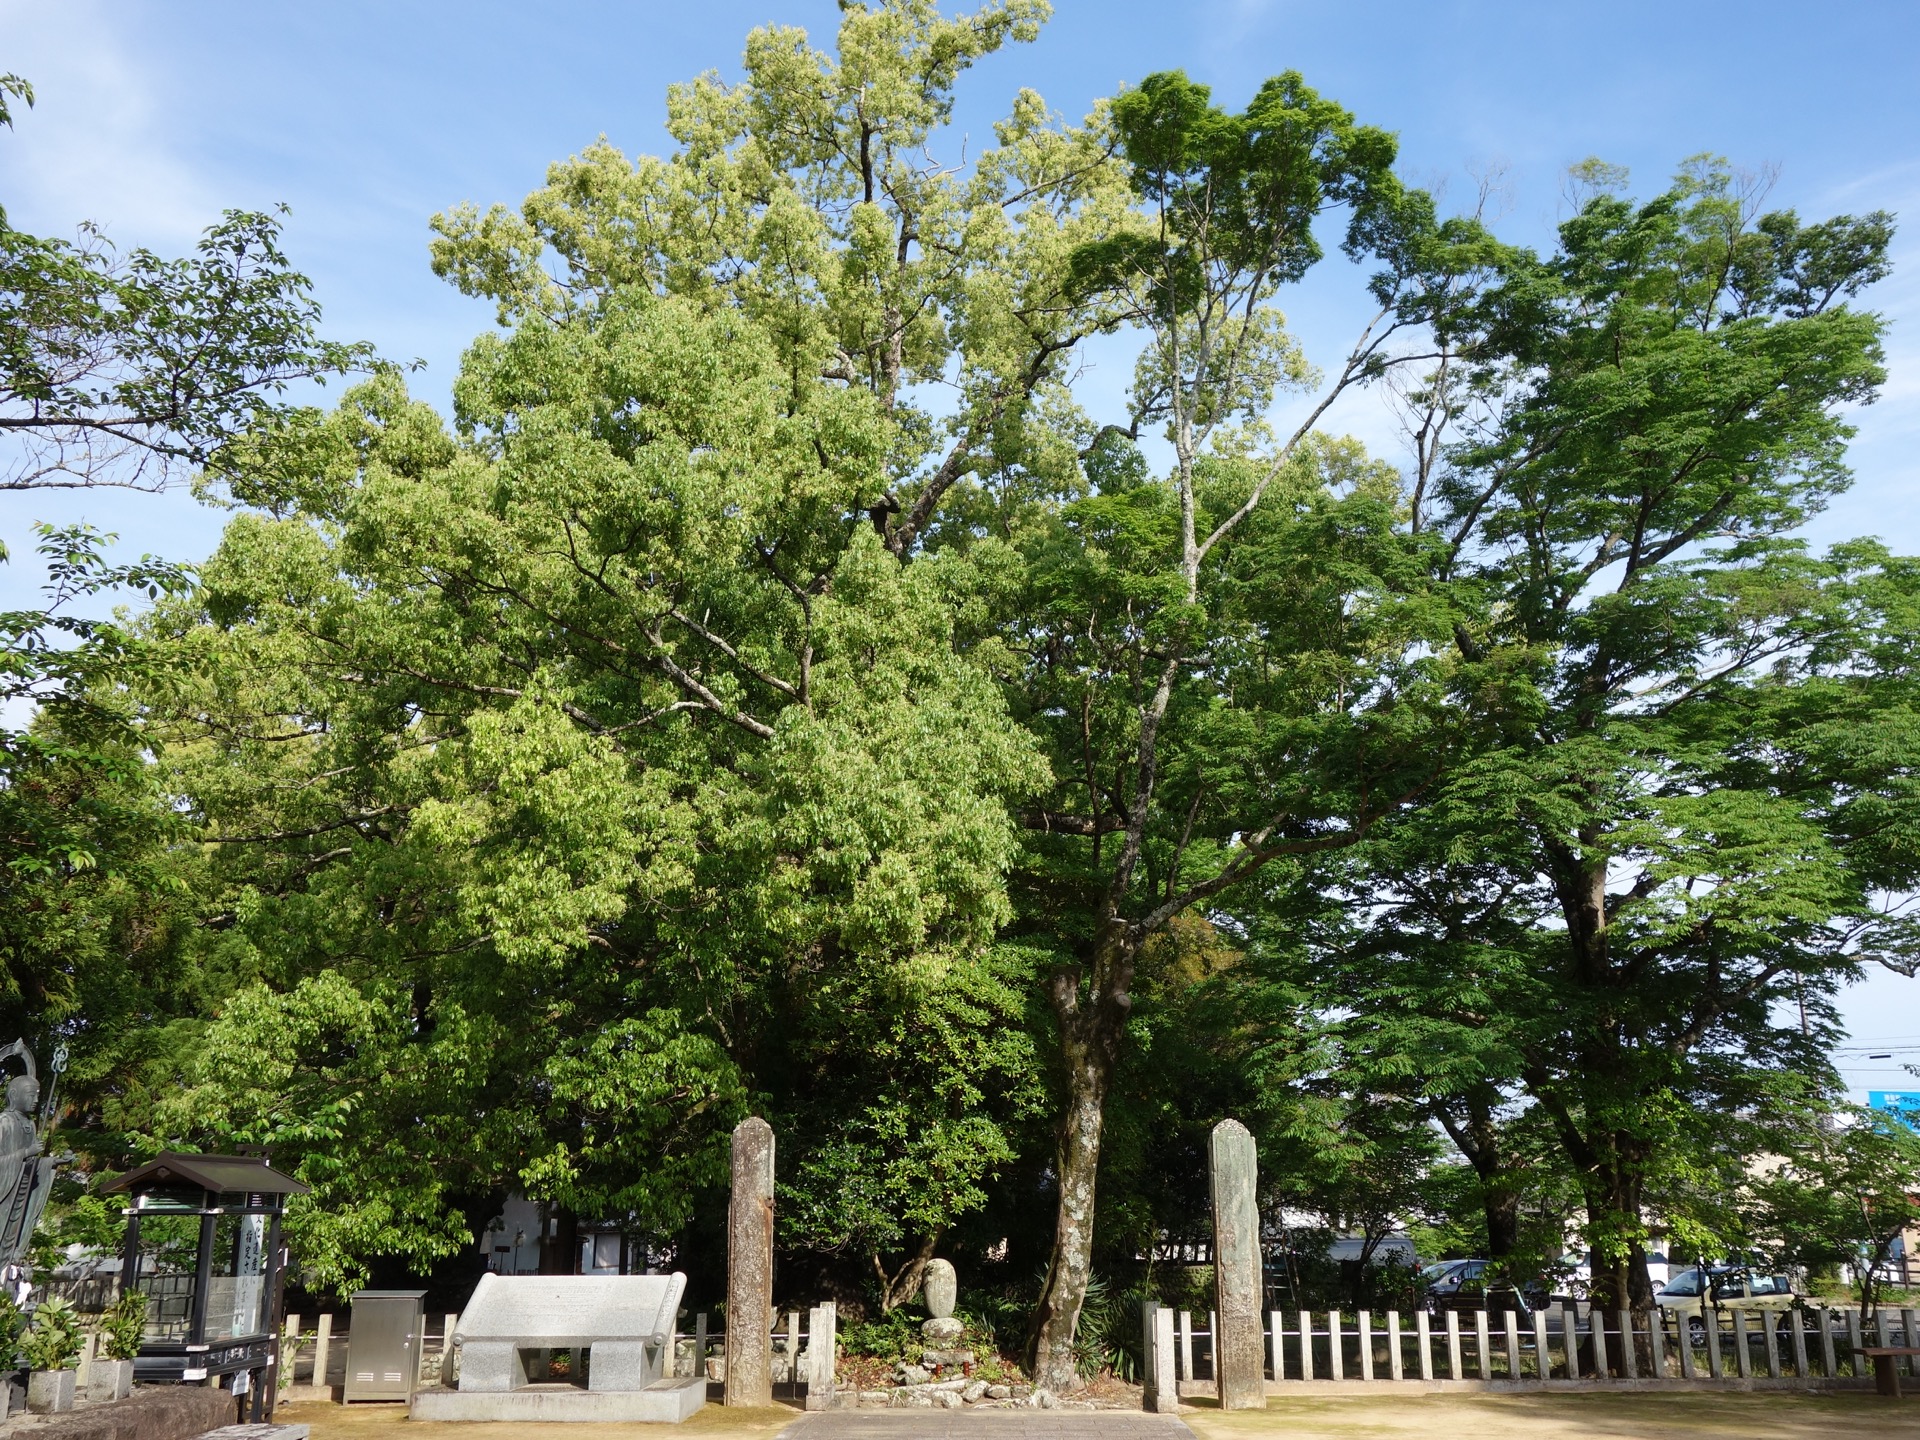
[217, 1173]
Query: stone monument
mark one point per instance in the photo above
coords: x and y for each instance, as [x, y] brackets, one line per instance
[940, 1289]
[750, 1266]
[1238, 1365]
[619, 1330]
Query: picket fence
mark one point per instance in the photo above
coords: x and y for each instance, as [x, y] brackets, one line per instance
[1806, 1345]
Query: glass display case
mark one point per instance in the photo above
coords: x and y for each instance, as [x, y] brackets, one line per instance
[203, 1245]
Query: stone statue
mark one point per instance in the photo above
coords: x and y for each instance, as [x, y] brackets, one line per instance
[26, 1174]
[938, 1288]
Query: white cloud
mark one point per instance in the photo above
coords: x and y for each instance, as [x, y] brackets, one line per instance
[103, 140]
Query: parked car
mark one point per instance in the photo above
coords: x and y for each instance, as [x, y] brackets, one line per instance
[1724, 1287]
[1465, 1285]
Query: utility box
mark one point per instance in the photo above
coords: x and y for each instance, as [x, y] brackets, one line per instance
[383, 1345]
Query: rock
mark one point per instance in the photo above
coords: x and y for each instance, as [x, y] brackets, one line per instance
[940, 1288]
[1021, 1392]
[875, 1397]
[1046, 1399]
[974, 1392]
[949, 1399]
[912, 1375]
[942, 1330]
[947, 1357]
[919, 1399]
[999, 1392]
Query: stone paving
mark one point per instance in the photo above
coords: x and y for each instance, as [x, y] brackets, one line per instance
[920, 1424]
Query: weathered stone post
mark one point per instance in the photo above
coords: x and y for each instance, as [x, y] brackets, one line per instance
[1161, 1393]
[750, 1266]
[823, 1343]
[1237, 1359]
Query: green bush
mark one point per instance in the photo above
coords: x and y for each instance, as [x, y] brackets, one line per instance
[12, 1322]
[53, 1340]
[1108, 1337]
[892, 1336]
[125, 1326]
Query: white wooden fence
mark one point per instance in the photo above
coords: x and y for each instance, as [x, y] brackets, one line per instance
[1805, 1345]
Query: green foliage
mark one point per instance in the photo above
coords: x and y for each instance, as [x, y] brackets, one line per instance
[1846, 1192]
[1109, 1337]
[12, 1324]
[771, 690]
[54, 1340]
[583, 774]
[1659, 840]
[125, 1326]
[890, 1335]
[124, 370]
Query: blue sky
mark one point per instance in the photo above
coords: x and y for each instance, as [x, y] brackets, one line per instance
[365, 118]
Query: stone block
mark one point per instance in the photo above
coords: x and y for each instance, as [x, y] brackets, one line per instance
[151, 1412]
[50, 1392]
[491, 1366]
[108, 1380]
[663, 1402]
[622, 1365]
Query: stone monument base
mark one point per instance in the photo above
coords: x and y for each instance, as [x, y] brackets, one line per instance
[665, 1402]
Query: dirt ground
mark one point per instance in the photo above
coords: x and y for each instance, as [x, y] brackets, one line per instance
[1559, 1416]
[389, 1422]
[1538, 1416]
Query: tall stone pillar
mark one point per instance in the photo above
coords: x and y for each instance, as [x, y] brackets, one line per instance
[1238, 1359]
[750, 1266]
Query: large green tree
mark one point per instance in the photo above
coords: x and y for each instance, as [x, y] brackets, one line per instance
[1690, 806]
[611, 721]
[116, 369]
[1224, 665]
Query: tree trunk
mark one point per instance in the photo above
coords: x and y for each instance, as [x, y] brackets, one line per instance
[1476, 1135]
[1089, 1042]
[1503, 1223]
[1613, 1206]
[898, 1288]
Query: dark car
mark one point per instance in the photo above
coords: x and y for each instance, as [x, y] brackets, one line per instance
[1470, 1285]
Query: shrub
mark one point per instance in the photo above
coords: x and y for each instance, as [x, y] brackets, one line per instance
[886, 1337]
[12, 1322]
[1108, 1337]
[53, 1340]
[125, 1326]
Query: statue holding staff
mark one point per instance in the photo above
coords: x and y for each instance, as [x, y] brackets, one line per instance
[26, 1172]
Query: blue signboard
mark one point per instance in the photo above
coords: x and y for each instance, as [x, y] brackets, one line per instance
[1905, 1104]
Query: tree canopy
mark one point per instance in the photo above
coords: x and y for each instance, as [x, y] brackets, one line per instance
[776, 686]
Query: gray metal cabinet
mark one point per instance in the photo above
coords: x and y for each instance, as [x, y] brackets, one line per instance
[383, 1345]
